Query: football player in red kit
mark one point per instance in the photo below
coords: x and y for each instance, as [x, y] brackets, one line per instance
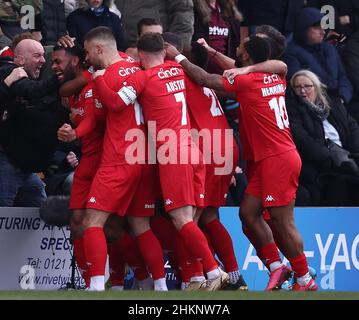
[160, 89]
[212, 134]
[115, 188]
[88, 117]
[274, 163]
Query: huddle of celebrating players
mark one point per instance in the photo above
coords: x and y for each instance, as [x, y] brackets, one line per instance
[158, 158]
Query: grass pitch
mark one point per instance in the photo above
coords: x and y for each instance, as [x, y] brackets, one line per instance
[175, 295]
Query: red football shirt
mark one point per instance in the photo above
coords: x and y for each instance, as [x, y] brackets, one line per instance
[263, 119]
[119, 120]
[89, 119]
[206, 114]
[161, 93]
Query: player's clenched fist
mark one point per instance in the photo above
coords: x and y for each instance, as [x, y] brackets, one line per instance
[66, 133]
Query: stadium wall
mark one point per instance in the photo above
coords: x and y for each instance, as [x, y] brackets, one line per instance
[35, 255]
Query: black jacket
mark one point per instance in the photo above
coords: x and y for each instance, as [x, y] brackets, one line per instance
[53, 21]
[350, 56]
[30, 114]
[308, 135]
[323, 59]
[81, 21]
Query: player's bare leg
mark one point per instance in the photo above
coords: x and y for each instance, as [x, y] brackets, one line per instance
[150, 249]
[223, 246]
[252, 220]
[283, 220]
[197, 214]
[251, 217]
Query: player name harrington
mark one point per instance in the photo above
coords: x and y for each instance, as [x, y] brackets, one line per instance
[278, 89]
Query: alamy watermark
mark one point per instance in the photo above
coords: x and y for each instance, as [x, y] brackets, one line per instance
[181, 147]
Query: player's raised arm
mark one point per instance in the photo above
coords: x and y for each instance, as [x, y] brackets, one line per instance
[269, 66]
[197, 74]
[221, 59]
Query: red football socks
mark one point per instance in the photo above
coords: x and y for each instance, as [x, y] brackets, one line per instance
[222, 244]
[95, 248]
[269, 254]
[128, 249]
[79, 254]
[197, 246]
[152, 254]
[299, 265]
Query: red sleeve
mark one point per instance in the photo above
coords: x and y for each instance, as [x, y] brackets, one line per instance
[95, 113]
[88, 124]
[126, 95]
[240, 83]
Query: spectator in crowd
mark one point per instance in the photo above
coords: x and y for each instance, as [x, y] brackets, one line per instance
[175, 16]
[350, 56]
[308, 50]
[218, 22]
[10, 51]
[314, 118]
[70, 5]
[348, 16]
[5, 42]
[52, 21]
[10, 15]
[95, 13]
[279, 14]
[145, 25]
[58, 176]
[28, 127]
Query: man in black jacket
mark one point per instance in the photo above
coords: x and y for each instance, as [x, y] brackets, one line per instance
[30, 116]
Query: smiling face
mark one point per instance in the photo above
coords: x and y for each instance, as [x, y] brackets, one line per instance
[64, 65]
[30, 55]
[304, 88]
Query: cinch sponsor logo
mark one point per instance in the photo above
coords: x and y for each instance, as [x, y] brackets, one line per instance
[124, 72]
[163, 74]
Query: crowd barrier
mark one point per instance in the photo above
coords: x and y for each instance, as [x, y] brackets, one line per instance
[35, 255]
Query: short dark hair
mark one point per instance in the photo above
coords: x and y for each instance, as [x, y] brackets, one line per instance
[75, 51]
[151, 42]
[277, 40]
[197, 54]
[147, 22]
[100, 33]
[258, 49]
[173, 39]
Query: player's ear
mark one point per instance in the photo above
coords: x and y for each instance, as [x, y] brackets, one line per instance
[75, 61]
[99, 48]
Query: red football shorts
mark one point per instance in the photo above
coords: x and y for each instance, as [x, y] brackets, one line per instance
[143, 202]
[114, 187]
[218, 181]
[275, 179]
[182, 185]
[83, 177]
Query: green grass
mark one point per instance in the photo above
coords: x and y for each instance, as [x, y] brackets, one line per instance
[175, 295]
